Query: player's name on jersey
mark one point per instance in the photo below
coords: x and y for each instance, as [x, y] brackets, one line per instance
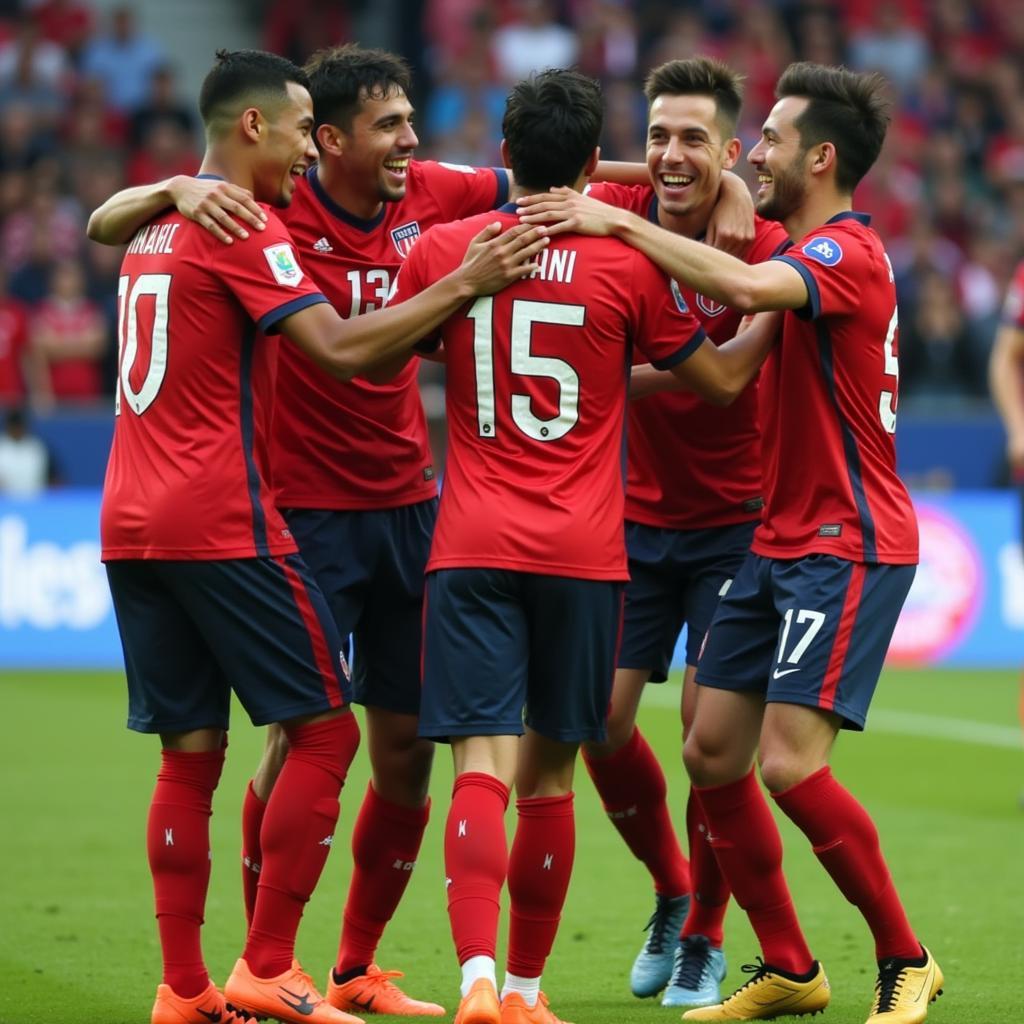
[555, 265]
[154, 239]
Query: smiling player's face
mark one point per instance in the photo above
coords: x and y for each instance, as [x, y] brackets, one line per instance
[287, 150]
[780, 161]
[378, 146]
[686, 152]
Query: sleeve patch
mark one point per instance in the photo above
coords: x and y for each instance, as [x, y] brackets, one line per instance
[283, 265]
[825, 251]
[678, 296]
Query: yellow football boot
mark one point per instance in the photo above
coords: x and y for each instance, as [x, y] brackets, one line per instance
[768, 995]
[902, 993]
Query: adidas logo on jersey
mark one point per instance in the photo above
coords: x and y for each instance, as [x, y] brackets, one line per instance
[322, 245]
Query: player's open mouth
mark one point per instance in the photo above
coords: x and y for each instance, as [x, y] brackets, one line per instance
[397, 168]
[763, 181]
[673, 182]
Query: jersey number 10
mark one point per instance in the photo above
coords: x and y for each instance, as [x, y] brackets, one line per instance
[157, 286]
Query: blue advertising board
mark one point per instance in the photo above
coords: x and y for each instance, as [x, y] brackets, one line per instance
[966, 606]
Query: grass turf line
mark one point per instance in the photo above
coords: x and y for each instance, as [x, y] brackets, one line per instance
[78, 942]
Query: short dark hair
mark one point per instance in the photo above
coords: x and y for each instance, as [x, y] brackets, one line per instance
[847, 109]
[341, 77]
[242, 78]
[552, 124]
[700, 76]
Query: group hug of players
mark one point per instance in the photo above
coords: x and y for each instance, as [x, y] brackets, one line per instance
[263, 501]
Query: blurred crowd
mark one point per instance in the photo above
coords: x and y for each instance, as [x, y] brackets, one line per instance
[91, 103]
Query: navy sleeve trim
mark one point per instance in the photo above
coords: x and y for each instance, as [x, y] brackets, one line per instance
[683, 353]
[269, 321]
[431, 343]
[501, 196]
[813, 308]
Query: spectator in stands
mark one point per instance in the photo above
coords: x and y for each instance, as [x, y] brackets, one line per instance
[16, 375]
[166, 150]
[34, 73]
[69, 335]
[297, 28]
[124, 60]
[67, 23]
[25, 464]
[936, 358]
[532, 41]
[164, 105]
[892, 46]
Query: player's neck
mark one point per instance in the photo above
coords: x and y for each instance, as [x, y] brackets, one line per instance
[218, 162]
[693, 224]
[338, 186]
[815, 211]
[516, 191]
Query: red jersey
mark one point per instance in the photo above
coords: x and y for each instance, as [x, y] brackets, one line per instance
[536, 400]
[828, 407]
[188, 467]
[693, 465]
[1013, 307]
[13, 343]
[353, 444]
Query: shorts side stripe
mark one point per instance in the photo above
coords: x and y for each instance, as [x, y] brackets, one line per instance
[324, 660]
[841, 645]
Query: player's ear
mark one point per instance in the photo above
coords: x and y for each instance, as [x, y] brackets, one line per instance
[592, 161]
[731, 153]
[505, 161]
[824, 157]
[329, 139]
[252, 123]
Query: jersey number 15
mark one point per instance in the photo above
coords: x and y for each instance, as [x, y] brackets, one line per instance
[524, 363]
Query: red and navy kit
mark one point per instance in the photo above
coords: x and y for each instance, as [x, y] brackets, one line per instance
[809, 617]
[828, 395]
[535, 405]
[208, 592]
[353, 444]
[692, 465]
[187, 476]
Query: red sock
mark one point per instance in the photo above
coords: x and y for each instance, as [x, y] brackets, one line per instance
[845, 840]
[747, 844]
[253, 809]
[475, 862]
[710, 889]
[298, 829]
[539, 869]
[385, 843]
[632, 788]
[178, 844]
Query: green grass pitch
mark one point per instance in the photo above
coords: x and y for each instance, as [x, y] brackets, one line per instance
[940, 769]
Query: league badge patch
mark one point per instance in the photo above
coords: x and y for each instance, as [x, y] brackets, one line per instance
[678, 296]
[825, 251]
[283, 264]
[404, 237]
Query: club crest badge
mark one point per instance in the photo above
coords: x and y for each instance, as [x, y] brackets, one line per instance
[404, 237]
[709, 307]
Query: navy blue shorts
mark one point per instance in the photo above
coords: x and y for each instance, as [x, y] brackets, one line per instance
[676, 579]
[496, 642]
[194, 631]
[810, 631]
[370, 566]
